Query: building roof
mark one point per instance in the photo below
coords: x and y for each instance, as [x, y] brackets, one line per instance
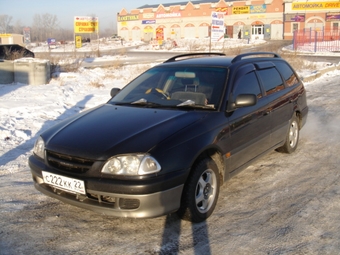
[177, 3]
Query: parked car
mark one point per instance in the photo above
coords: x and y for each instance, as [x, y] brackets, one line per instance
[170, 138]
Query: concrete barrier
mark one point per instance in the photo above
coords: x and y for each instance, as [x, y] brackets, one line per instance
[32, 71]
[6, 72]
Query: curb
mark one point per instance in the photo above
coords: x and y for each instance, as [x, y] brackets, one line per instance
[321, 72]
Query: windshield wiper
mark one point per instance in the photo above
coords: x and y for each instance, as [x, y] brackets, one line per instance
[191, 104]
[141, 102]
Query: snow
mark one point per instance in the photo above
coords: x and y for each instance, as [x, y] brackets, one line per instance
[283, 204]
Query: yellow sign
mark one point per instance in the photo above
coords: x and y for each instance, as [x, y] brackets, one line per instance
[258, 16]
[128, 18]
[86, 25]
[315, 5]
[241, 10]
[5, 35]
[78, 41]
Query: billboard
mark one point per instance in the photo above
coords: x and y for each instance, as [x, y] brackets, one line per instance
[85, 24]
[27, 35]
[217, 26]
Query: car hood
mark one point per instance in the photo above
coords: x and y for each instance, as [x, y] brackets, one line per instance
[109, 130]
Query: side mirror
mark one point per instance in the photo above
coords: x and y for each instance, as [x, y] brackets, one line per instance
[114, 92]
[242, 100]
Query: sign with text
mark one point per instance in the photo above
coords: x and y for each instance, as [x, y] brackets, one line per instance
[241, 10]
[217, 26]
[128, 18]
[78, 41]
[315, 5]
[84, 24]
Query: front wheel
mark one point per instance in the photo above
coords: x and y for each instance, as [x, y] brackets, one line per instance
[201, 192]
[292, 138]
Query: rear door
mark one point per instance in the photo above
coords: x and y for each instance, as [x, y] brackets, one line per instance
[279, 100]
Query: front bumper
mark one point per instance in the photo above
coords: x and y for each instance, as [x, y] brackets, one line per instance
[147, 205]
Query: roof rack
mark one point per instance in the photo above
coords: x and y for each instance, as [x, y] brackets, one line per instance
[188, 55]
[245, 55]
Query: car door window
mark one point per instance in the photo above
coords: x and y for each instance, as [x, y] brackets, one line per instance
[247, 84]
[271, 80]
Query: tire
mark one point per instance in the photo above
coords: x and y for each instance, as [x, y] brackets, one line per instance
[292, 137]
[201, 192]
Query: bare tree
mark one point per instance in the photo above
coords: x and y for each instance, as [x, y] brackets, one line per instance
[18, 27]
[5, 21]
[44, 26]
[50, 24]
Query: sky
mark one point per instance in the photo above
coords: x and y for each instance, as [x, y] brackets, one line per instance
[65, 10]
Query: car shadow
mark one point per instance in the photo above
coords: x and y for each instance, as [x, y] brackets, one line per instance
[28, 144]
[171, 238]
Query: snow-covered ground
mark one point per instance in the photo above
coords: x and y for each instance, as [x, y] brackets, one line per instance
[283, 204]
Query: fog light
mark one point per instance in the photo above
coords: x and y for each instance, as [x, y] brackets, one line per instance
[127, 203]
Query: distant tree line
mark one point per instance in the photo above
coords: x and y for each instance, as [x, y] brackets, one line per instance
[44, 26]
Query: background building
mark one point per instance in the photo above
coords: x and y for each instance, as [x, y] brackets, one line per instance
[11, 39]
[315, 16]
[248, 19]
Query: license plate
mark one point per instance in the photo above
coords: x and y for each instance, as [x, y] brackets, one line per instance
[64, 183]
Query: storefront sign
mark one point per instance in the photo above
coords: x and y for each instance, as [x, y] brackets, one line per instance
[241, 10]
[128, 18]
[258, 16]
[144, 22]
[148, 15]
[5, 35]
[315, 5]
[168, 15]
[294, 18]
[332, 16]
[222, 9]
[258, 8]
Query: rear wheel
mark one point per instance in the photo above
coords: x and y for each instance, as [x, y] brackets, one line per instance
[292, 137]
[201, 192]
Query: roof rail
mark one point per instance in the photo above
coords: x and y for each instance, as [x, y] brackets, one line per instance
[187, 55]
[245, 55]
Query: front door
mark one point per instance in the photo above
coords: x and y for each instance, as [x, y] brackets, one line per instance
[257, 32]
[249, 126]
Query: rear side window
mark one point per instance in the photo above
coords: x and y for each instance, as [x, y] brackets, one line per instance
[287, 73]
[271, 80]
[247, 84]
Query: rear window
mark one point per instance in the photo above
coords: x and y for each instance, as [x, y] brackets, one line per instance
[288, 75]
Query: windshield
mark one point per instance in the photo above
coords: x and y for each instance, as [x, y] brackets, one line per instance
[180, 86]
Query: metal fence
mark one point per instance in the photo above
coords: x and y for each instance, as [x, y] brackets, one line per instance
[317, 40]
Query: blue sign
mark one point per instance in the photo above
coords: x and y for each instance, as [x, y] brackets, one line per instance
[147, 22]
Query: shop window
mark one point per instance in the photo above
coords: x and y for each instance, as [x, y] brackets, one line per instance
[295, 26]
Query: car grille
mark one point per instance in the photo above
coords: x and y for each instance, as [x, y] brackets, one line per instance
[68, 163]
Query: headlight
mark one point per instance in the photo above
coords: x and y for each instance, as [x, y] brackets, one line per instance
[134, 164]
[39, 148]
